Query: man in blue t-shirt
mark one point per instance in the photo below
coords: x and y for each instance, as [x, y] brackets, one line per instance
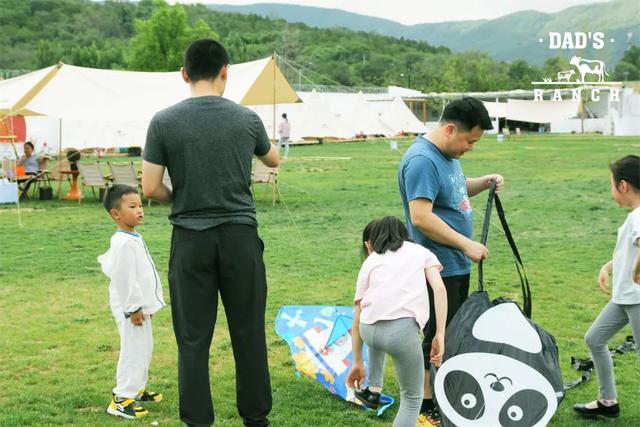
[435, 195]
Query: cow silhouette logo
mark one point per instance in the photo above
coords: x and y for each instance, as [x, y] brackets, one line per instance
[584, 78]
[565, 75]
[485, 388]
[589, 66]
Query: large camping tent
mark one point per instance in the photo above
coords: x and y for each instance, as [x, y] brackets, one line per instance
[363, 118]
[313, 118]
[353, 110]
[397, 116]
[112, 102]
[541, 112]
[532, 111]
[310, 119]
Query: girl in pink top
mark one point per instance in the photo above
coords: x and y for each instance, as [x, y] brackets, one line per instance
[391, 308]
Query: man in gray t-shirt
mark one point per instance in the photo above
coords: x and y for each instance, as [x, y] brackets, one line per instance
[206, 143]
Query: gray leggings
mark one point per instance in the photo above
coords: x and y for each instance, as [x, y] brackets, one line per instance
[399, 339]
[611, 319]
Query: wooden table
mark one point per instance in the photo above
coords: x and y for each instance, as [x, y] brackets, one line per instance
[74, 193]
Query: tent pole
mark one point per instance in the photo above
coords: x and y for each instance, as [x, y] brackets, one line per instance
[12, 135]
[15, 151]
[59, 156]
[274, 96]
[582, 108]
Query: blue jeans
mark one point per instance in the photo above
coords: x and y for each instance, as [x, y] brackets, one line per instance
[284, 140]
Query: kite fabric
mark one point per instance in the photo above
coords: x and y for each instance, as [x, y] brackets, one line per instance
[320, 341]
[500, 369]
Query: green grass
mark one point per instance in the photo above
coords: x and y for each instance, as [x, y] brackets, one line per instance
[59, 344]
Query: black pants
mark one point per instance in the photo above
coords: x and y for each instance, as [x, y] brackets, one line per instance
[457, 292]
[225, 259]
[27, 184]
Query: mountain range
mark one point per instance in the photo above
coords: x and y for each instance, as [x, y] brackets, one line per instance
[510, 37]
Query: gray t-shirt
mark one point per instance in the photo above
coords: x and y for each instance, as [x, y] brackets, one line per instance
[207, 143]
[31, 164]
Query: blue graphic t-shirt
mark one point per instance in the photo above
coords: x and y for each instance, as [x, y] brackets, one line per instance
[426, 173]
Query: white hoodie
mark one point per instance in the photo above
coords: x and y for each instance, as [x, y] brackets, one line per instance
[134, 282]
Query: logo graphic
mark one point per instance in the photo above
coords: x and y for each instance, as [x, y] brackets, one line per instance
[583, 73]
[565, 75]
[586, 66]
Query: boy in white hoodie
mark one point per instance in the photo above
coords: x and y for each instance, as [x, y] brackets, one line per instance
[135, 294]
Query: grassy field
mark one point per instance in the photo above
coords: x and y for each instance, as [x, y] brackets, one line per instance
[58, 342]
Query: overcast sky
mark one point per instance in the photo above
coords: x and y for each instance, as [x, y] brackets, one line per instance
[419, 11]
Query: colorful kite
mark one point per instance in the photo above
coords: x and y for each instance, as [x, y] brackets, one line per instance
[320, 342]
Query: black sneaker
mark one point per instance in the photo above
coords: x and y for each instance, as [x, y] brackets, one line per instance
[370, 398]
[612, 411]
[148, 396]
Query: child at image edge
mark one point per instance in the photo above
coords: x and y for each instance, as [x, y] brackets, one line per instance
[624, 306]
[135, 294]
[391, 308]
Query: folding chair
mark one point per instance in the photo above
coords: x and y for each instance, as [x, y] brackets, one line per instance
[265, 175]
[43, 177]
[124, 173]
[518, 133]
[91, 176]
[166, 181]
[55, 175]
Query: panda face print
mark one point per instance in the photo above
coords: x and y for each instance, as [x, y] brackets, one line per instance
[484, 389]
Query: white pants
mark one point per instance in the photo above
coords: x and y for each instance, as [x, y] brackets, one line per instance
[136, 347]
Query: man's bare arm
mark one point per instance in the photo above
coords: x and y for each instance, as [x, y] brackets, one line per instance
[432, 226]
[152, 185]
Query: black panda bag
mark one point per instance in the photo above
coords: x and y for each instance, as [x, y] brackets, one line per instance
[500, 368]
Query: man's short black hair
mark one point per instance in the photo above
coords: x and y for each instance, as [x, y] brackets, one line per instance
[467, 113]
[114, 194]
[204, 58]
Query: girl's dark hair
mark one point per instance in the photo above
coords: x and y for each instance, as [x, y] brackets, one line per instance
[30, 144]
[628, 169]
[386, 234]
[114, 194]
[366, 235]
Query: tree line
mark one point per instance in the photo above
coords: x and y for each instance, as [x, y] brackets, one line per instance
[151, 35]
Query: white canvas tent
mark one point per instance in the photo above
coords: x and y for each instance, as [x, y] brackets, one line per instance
[363, 119]
[531, 111]
[111, 102]
[311, 119]
[496, 109]
[353, 110]
[397, 116]
[541, 112]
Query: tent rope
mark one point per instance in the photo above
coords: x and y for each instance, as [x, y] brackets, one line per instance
[297, 67]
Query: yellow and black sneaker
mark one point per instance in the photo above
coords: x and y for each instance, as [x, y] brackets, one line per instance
[148, 396]
[430, 417]
[123, 407]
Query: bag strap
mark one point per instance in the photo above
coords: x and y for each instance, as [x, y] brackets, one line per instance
[524, 282]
